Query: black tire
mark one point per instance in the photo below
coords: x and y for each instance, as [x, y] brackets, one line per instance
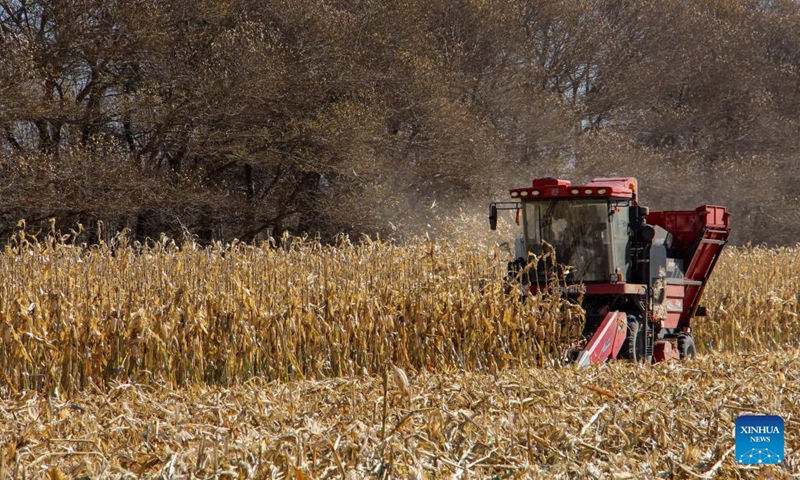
[686, 347]
[634, 344]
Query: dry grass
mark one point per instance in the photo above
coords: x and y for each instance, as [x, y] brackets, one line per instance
[618, 420]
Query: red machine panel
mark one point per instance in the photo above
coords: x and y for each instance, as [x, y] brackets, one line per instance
[673, 304]
[698, 238]
[599, 187]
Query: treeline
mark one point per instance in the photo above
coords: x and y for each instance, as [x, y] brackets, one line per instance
[239, 118]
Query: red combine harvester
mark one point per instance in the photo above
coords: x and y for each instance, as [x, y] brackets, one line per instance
[640, 274]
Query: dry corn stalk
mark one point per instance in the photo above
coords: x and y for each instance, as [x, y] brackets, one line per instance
[75, 316]
[667, 421]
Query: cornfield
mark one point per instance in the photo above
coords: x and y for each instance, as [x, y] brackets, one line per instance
[752, 300]
[74, 316]
[301, 360]
[616, 421]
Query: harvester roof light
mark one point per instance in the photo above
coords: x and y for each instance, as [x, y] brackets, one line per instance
[602, 191]
[535, 193]
[515, 194]
[632, 186]
[574, 191]
[588, 191]
[524, 193]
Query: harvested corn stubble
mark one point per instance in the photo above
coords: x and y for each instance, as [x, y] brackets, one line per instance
[666, 421]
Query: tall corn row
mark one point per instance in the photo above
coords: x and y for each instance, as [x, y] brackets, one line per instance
[753, 301]
[75, 316]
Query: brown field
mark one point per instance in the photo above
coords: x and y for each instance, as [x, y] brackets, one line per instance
[613, 421]
[159, 360]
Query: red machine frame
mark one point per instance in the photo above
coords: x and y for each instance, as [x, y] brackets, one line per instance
[698, 237]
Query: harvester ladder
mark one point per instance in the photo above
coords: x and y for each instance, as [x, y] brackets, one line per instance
[649, 329]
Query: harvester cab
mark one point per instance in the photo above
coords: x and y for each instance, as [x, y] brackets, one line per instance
[639, 275]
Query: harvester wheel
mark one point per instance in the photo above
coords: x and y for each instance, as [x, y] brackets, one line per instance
[634, 344]
[686, 347]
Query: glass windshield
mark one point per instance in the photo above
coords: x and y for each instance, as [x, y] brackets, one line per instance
[577, 229]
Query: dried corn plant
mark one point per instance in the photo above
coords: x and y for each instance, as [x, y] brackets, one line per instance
[158, 360]
[76, 316]
[752, 301]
